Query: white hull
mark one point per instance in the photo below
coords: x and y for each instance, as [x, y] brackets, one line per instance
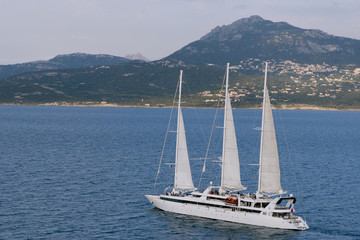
[226, 214]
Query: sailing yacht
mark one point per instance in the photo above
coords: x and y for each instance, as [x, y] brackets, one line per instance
[268, 207]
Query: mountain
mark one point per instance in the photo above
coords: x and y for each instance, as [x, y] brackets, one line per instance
[255, 37]
[305, 67]
[74, 60]
[137, 56]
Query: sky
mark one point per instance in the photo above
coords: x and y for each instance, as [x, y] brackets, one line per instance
[33, 30]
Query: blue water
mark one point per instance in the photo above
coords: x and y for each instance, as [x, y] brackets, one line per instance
[82, 173]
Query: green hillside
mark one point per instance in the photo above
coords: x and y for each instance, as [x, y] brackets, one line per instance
[154, 84]
[126, 83]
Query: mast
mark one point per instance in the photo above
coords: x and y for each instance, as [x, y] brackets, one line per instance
[223, 164]
[230, 175]
[269, 170]
[262, 126]
[179, 102]
[182, 178]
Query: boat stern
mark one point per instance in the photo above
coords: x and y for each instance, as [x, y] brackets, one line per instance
[296, 223]
[300, 224]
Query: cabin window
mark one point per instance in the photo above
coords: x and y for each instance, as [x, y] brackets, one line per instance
[252, 211]
[247, 204]
[281, 215]
[257, 205]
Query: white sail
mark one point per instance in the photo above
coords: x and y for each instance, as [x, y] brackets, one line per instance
[230, 177]
[269, 171]
[183, 179]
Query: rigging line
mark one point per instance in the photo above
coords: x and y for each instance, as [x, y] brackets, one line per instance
[197, 114]
[290, 157]
[212, 131]
[255, 152]
[167, 133]
[278, 119]
[257, 135]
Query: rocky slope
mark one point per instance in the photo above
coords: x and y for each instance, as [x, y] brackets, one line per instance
[137, 56]
[255, 37]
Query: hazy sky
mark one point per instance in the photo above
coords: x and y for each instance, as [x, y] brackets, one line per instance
[40, 29]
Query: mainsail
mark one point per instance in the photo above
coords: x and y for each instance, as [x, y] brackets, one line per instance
[269, 171]
[230, 177]
[183, 179]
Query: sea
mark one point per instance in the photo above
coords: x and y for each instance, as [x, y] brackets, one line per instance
[82, 172]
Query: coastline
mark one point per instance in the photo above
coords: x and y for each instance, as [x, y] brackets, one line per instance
[301, 107]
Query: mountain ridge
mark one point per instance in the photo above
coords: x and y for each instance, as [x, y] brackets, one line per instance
[255, 37]
[62, 61]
